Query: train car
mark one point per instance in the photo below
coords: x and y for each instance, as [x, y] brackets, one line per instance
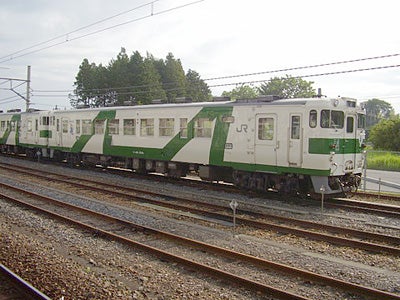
[9, 133]
[293, 145]
[34, 133]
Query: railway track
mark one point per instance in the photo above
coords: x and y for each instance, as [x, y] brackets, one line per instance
[364, 240]
[22, 289]
[367, 207]
[196, 253]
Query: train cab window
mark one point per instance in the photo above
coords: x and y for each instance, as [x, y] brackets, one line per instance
[86, 127]
[350, 125]
[265, 128]
[113, 127]
[203, 127]
[99, 126]
[183, 130]
[129, 126]
[361, 121]
[146, 127]
[166, 127]
[313, 119]
[45, 121]
[78, 126]
[332, 119]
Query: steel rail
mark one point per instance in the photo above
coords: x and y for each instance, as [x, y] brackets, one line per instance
[253, 285]
[23, 286]
[246, 221]
[227, 253]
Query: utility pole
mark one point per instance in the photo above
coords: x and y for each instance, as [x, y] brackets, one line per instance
[28, 87]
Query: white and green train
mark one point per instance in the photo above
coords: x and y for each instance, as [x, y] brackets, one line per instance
[291, 145]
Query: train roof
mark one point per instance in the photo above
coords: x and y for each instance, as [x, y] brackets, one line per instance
[339, 102]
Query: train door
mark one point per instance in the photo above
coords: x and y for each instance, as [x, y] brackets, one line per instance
[295, 148]
[266, 140]
[350, 141]
[58, 132]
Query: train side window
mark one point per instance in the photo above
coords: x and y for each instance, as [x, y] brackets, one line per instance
[203, 127]
[99, 126]
[295, 131]
[36, 124]
[146, 127]
[12, 125]
[313, 119]
[265, 128]
[78, 126]
[129, 126]
[350, 124]
[86, 127]
[29, 127]
[65, 126]
[3, 126]
[183, 130]
[58, 125]
[113, 127]
[166, 127]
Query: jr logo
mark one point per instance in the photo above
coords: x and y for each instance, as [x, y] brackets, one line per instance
[243, 127]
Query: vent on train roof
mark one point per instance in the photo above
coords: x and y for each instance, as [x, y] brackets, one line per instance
[220, 99]
[268, 98]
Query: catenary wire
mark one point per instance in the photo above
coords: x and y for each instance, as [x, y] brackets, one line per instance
[101, 30]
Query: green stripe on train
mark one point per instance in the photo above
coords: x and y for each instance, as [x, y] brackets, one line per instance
[340, 146]
[177, 143]
[4, 138]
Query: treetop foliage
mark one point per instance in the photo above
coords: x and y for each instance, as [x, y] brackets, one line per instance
[136, 79]
[376, 110]
[385, 135]
[284, 87]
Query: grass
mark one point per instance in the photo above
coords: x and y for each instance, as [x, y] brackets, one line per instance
[383, 160]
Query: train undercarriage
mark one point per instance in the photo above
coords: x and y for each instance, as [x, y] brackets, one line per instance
[286, 183]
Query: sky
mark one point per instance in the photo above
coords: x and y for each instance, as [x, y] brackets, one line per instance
[216, 38]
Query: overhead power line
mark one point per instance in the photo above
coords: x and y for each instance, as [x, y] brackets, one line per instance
[151, 14]
[306, 67]
[247, 74]
[79, 29]
[98, 92]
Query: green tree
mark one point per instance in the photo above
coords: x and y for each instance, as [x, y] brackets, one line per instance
[287, 87]
[120, 77]
[174, 79]
[151, 86]
[196, 88]
[385, 135]
[376, 110]
[138, 78]
[242, 92]
[91, 85]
